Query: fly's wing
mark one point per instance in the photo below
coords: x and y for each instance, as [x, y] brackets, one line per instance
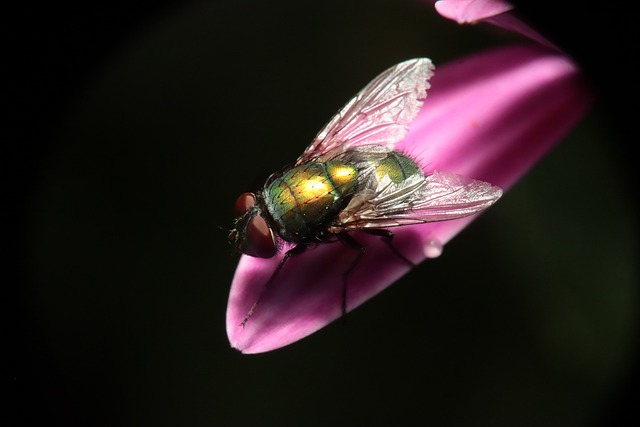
[378, 115]
[441, 196]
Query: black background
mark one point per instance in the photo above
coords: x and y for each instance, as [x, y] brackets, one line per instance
[55, 49]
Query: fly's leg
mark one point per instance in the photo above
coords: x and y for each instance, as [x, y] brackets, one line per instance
[387, 237]
[291, 252]
[353, 243]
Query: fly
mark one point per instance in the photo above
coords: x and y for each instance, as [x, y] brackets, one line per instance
[351, 178]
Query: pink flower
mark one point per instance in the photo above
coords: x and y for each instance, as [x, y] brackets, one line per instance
[495, 12]
[490, 117]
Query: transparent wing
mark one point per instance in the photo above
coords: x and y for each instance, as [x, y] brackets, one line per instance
[441, 196]
[379, 114]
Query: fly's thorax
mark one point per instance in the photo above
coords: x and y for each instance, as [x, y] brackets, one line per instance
[307, 197]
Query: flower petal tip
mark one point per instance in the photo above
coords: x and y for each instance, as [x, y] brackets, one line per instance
[471, 11]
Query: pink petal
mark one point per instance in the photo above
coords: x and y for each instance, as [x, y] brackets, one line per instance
[517, 104]
[490, 117]
[495, 12]
[471, 11]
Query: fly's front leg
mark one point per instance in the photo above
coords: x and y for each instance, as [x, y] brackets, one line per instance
[291, 252]
[387, 237]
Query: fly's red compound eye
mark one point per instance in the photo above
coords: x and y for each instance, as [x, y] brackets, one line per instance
[244, 203]
[259, 241]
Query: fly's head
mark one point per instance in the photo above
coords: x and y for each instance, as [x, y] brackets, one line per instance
[251, 234]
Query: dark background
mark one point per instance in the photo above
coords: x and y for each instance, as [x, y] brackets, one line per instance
[132, 127]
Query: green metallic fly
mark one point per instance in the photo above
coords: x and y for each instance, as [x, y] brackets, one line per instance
[350, 178]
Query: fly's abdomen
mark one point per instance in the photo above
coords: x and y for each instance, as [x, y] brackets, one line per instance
[308, 196]
[397, 167]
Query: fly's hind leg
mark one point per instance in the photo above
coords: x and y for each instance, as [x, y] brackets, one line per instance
[387, 237]
[291, 252]
[353, 243]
